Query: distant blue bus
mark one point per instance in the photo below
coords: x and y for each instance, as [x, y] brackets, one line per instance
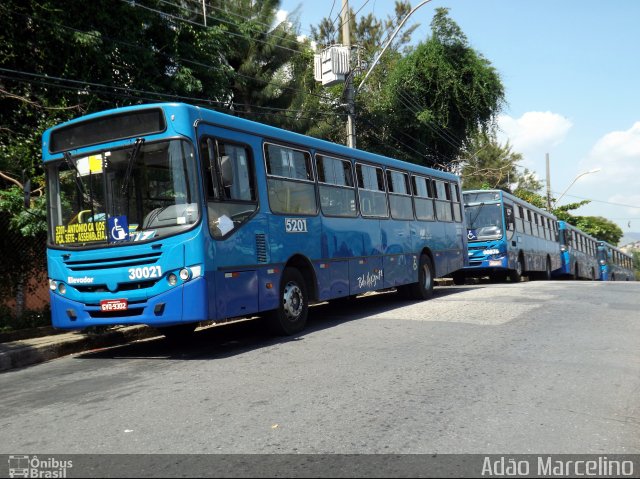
[508, 238]
[615, 264]
[578, 252]
[170, 214]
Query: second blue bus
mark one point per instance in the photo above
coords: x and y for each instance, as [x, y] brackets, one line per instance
[508, 238]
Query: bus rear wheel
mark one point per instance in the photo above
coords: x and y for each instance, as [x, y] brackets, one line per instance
[291, 315]
[423, 289]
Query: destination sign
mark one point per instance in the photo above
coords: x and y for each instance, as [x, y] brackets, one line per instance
[81, 233]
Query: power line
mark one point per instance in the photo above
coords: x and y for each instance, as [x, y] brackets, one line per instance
[186, 20]
[81, 87]
[601, 201]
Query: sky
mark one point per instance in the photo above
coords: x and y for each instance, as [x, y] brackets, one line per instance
[571, 72]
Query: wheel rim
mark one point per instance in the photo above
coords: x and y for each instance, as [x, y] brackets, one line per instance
[519, 268]
[292, 301]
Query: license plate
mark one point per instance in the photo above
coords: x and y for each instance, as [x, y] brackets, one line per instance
[114, 305]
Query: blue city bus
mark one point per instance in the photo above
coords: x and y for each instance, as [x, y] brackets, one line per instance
[615, 264]
[507, 238]
[171, 214]
[578, 252]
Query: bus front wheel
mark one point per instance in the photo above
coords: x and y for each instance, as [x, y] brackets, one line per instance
[291, 315]
[515, 275]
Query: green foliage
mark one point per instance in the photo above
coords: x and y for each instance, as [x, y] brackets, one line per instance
[30, 223]
[440, 95]
[30, 319]
[489, 164]
[598, 227]
[636, 263]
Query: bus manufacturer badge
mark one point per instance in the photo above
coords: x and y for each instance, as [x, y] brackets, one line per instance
[295, 225]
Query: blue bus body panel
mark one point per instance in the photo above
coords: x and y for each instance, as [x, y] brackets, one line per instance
[185, 303]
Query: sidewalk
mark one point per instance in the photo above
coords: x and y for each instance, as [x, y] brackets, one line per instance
[25, 352]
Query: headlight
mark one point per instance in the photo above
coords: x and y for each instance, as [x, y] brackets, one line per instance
[185, 274]
[62, 289]
[172, 279]
[53, 285]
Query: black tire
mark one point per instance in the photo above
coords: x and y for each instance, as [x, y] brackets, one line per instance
[499, 277]
[291, 315]
[576, 273]
[423, 289]
[458, 279]
[178, 334]
[515, 275]
[546, 274]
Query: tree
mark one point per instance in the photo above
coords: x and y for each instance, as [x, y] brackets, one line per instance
[598, 227]
[636, 263]
[267, 61]
[325, 106]
[440, 95]
[488, 164]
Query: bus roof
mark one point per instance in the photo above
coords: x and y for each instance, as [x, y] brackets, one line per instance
[515, 199]
[201, 114]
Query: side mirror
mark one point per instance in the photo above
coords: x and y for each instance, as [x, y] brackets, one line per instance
[27, 194]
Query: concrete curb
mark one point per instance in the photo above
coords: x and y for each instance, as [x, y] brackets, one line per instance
[18, 354]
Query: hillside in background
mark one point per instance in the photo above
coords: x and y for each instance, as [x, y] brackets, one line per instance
[630, 238]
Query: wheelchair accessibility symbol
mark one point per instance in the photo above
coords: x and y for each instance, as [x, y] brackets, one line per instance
[472, 235]
[118, 228]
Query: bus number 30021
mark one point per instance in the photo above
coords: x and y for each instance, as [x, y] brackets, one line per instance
[145, 273]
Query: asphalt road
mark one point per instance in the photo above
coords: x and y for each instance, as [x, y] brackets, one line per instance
[538, 367]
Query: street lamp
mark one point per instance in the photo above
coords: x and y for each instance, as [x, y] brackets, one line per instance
[595, 170]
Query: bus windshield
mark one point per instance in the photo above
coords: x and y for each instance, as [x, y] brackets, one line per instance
[484, 221]
[144, 191]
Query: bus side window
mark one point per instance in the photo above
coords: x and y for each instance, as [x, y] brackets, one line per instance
[290, 181]
[231, 193]
[520, 219]
[457, 206]
[399, 195]
[443, 197]
[337, 190]
[371, 191]
[509, 219]
[423, 198]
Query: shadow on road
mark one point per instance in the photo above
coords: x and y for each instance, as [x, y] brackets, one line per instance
[228, 340]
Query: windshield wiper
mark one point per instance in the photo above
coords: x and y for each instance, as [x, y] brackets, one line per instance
[132, 159]
[72, 166]
[473, 221]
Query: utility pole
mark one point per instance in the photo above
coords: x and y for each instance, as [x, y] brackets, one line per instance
[548, 184]
[349, 91]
